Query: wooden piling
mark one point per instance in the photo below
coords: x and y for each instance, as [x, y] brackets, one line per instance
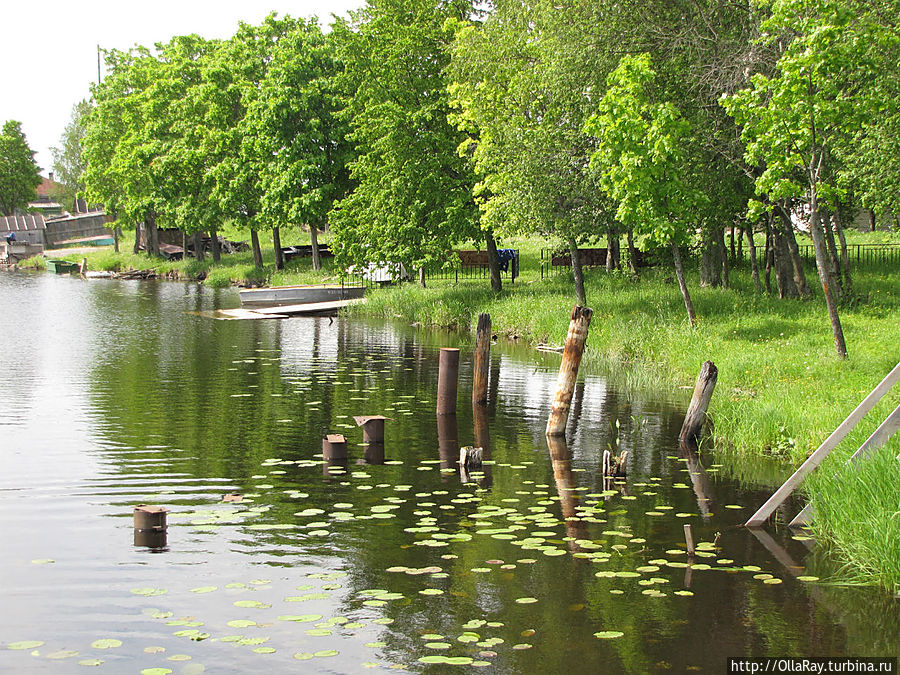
[480, 374]
[373, 427]
[448, 380]
[334, 447]
[689, 539]
[696, 413]
[568, 370]
[149, 517]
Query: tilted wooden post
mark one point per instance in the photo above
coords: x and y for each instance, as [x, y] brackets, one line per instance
[696, 413]
[480, 374]
[448, 379]
[568, 369]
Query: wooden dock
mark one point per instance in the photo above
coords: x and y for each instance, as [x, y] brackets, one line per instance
[287, 311]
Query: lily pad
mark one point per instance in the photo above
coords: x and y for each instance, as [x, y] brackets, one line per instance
[609, 634]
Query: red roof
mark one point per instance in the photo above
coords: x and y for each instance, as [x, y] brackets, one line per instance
[47, 186]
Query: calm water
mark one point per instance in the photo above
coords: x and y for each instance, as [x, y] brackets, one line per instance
[119, 393]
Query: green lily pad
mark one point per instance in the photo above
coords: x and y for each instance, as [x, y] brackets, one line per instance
[106, 643]
[25, 644]
[609, 634]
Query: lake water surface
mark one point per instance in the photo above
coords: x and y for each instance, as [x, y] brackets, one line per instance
[122, 393]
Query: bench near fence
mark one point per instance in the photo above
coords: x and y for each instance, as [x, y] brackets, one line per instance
[471, 264]
[590, 257]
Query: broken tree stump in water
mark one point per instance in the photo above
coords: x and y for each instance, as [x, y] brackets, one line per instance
[568, 370]
[696, 413]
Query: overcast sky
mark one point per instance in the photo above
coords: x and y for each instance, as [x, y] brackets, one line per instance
[48, 50]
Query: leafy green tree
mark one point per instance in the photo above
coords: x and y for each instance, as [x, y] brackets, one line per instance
[68, 159]
[234, 158]
[795, 120]
[297, 128]
[19, 174]
[413, 196]
[640, 161]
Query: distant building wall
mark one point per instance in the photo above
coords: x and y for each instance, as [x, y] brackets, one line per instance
[70, 229]
[29, 228]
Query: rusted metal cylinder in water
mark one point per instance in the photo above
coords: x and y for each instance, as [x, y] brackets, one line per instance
[568, 370]
[373, 427]
[149, 517]
[151, 538]
[448, 380]
[334, 447]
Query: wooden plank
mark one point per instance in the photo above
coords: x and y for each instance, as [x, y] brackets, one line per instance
[791, 484]
[246, 314]
[879, 437]
[309, 307]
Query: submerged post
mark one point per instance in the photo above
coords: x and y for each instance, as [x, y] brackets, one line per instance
[448, 380]
[150, 526]
[696, 413]
[568, 370]
[334, 447]
[480, 374]
[689, 539]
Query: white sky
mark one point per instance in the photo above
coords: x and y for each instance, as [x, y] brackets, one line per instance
[48, 50]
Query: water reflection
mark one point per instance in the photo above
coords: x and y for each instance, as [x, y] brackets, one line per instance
[133, 400]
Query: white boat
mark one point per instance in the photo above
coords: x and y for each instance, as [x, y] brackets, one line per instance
[278, 296]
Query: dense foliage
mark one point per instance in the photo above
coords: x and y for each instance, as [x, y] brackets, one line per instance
[19, 175]
[413, 127]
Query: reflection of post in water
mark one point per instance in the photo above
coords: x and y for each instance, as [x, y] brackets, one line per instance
[699, 479]
[448, 440]
[483, 441]
[561, 459]
[577, 407]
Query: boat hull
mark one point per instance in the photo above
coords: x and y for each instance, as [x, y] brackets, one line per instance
[61, 266]
[277, 296]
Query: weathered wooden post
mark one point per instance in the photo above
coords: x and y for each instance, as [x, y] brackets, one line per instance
[150, 526]
[373, 427]
[696, 413]
[480, 374]
[448, 380]
[568, 370]
[689, 539]
[334, 447]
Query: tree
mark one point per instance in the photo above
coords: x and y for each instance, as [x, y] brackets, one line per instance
[413, 196]
[297, 128]
[19, 174]
[795, 120]
[68, 160]
[641, 163]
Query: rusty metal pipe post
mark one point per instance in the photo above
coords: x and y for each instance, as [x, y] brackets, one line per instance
[334, 447]
[568, 370]
[448, 380]
[481, 370]
[150, 529]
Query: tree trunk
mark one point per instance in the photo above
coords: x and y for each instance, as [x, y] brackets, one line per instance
[216, 249]
[117, 234]
[826, 219]
[751, 250]
[276, 241]
[796, 262]
[770, 254]
[632, 252]
[740, 241]
[613, 255]
[314, 240]
[577, 272]
[493, 261]
[199, 253]
[731, 235]
[783, 263]
[726, 281]
[679, 272]
[422, 277]
[845, 256]
[710, 260]
[137, 238]
[153, 246]
[824, 275]
[257, 252]
[872, 222]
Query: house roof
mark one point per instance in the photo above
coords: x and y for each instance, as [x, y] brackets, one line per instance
[30, 222]
[47, 186]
